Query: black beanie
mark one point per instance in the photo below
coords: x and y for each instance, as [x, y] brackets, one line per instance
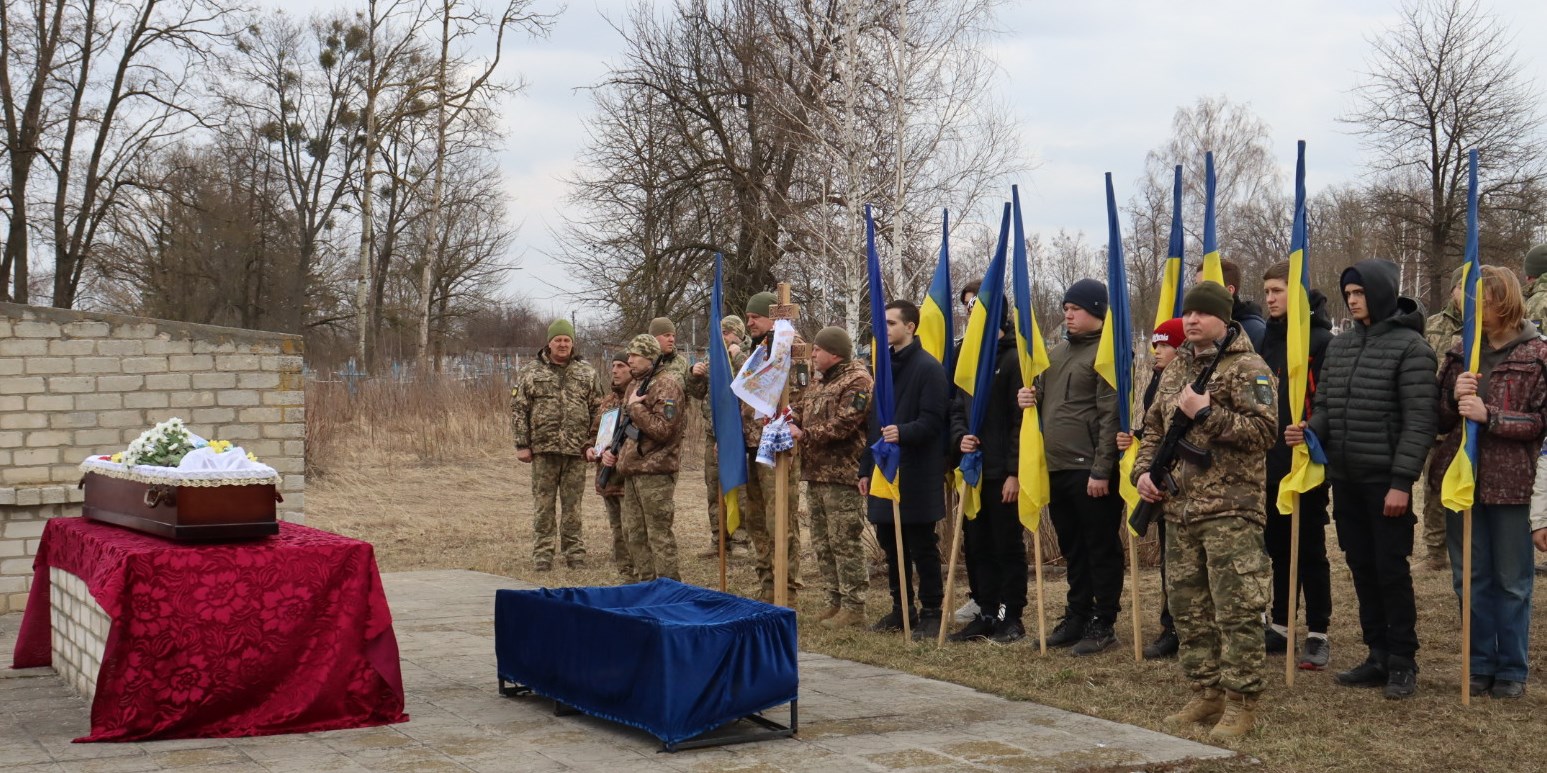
[1089, 295]
[1209, 298]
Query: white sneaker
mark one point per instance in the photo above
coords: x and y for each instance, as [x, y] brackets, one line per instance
[968, 612]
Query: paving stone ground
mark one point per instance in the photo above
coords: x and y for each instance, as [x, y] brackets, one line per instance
[853, 717]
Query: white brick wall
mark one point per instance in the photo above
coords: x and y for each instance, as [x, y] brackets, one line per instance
[80, 631]
[73, 384]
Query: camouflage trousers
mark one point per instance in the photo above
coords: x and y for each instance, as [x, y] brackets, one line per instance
[712, 497]
[620, 553]
[648, 512]
[557, 478]
[1217, 585]
[1426, 500]
[837, 521]
[757, 511]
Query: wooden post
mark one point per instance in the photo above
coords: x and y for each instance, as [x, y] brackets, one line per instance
[1290, 664]
[902, 574]
[1466, 607]
[781, 530]
[950, 567]
[1036, 552]
[723, 523]
[1133, 564]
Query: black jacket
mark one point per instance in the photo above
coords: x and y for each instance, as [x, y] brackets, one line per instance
[1001, 431]
[1275, 352]
[922, 400]
[1374, 410]
[1252, 322]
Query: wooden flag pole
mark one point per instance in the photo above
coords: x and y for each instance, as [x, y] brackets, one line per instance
[1290, 664]
[902, 572]
[1036, 552]
[1133, 564]
[723, 523]
[950, 568]
[781, 535]
[1466, 607]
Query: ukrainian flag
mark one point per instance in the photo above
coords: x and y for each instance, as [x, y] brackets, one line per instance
[1032, 353]
[724, 408]
[1212, 271]
[1171, 282]
[936, 333]
[887, 456]
[1305, 470]
[1458, 490]
[975, 370]
[1114, 354]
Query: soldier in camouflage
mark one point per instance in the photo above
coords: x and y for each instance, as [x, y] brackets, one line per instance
[671, 362]
[648, 462]
[1442, 331]
[734, 333]
[551, 407]
[758, 504]
[1218, 572]
[1535, 288]
[829, 426]
[612, 493]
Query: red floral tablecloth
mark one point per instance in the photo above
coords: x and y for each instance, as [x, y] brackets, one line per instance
[287, 634]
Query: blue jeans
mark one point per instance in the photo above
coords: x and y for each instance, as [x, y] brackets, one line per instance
[1502, 580]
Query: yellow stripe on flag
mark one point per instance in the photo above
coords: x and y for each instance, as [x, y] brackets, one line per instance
[1213, 271]
[732, 513]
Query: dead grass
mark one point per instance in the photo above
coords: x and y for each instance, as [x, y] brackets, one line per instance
[472, 512]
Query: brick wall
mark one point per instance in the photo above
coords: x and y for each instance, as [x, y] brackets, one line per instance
[76, 383]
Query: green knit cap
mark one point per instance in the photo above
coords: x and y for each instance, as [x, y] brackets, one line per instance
[835, 340]
[761, 304]
[561, 327]
[662, 326]
[1536, 261]
[1209, 298]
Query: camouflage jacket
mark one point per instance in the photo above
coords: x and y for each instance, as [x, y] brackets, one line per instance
[551, 405]
[832, 414]
[674, 363]
[698, 386]
[613, 399]
[1536, 302]
[751, 424]
[658, 419]
[1443, 331]
[1237, 433]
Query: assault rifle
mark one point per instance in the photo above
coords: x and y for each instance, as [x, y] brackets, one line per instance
[1172, 445]
[626, 428]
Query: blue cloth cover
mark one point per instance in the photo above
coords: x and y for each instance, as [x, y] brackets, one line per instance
[674, 660]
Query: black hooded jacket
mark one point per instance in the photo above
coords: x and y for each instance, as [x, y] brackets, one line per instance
[1374, 410]
[1252, 322]
[1275, 352]
[1001, 430]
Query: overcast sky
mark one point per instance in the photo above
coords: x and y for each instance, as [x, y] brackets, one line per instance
[1094, 86]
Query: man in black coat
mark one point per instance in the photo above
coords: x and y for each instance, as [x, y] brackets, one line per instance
[1315, 573]
[996, 551]
[919, 430]
[1375, 415]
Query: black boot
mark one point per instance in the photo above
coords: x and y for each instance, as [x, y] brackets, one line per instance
[928, 626]
[980, 628]
[1068, 631]
[1008, 630]
[1164, 645]
[893, 621]
[1099, 636]
[1401, 678]
[1370, 673]
[1274, 642]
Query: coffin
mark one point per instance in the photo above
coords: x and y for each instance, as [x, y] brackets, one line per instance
[182, 512]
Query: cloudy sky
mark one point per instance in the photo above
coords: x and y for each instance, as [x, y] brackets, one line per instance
[1094, 86]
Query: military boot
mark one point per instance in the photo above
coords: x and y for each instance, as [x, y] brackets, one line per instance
[1207, 704]
[1239, 716]
[828, 613]
[846, 618]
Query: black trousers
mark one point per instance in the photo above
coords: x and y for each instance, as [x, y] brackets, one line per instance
[1315, 572]
[996, 554]
[1087, 535]
[922, 549]
[1376, 548]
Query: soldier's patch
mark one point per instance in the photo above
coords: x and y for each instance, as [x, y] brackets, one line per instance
[669, 407]
[861, 399]
[1263, 391]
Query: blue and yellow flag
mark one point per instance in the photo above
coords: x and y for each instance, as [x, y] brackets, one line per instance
[1212, 270]
[724, 408]
[936, 333]
[1172, 278]
[1458, 490]
[887, 456]
[1032, 354]
[1305, 469]
[1114, 354]
[975, 370]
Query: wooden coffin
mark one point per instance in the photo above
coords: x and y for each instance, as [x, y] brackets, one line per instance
[191, 513]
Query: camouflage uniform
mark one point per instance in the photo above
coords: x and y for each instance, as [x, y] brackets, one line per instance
[551, 407]
[648, 464]
[1536, 304]
[612, 495]
[1218, 572]
[757, 506]
[698, 388]
[675, 364]
[832, 415]
[1442, 331]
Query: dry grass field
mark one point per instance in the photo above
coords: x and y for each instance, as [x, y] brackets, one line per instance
[430, 480]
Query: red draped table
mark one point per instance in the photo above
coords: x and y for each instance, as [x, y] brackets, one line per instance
[286, 634]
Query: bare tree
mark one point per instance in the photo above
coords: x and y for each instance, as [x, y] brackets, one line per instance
[1443, 81]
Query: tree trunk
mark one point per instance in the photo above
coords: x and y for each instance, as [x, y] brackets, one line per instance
[433, 217]
[367, 218]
